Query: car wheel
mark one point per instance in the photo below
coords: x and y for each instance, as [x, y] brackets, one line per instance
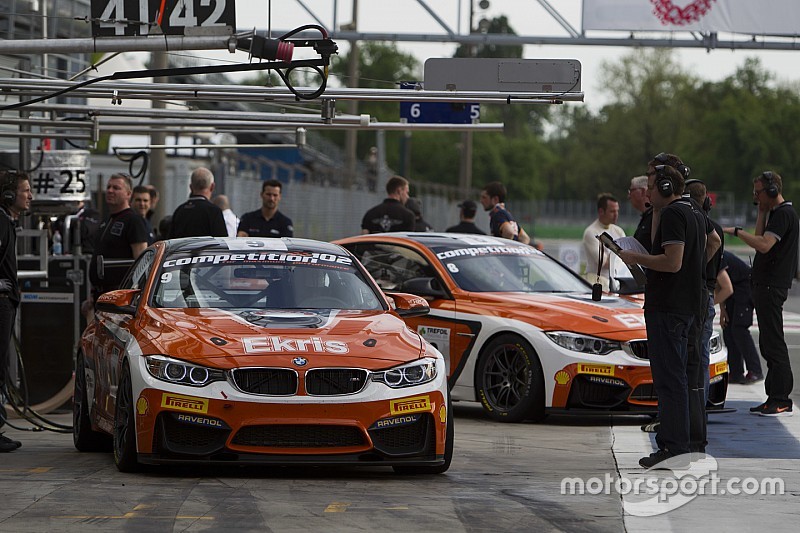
[509, 380]
[448, 452]
[83, 436]
[125, 426]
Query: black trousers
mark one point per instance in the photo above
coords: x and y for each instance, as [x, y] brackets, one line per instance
[8, 312]
[698, 437]
[768, 302]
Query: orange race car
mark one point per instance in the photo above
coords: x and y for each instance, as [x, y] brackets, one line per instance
[520, 331]
[279, 351]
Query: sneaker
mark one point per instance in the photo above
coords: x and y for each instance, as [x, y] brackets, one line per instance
[776, 410]
[753, 378]
[651, 427]
[758, 408]
[665, 460]
[8, 445]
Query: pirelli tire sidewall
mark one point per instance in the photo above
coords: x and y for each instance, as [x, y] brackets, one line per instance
[509, 362]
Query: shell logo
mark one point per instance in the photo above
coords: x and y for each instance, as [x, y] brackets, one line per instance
[443, 414]
[562, 377]
[142, 406]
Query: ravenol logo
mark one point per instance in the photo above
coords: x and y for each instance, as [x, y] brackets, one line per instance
[410, 405]
[184, 403]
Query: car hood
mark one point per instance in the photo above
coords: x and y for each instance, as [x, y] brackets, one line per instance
[611, 317]
[229, 338]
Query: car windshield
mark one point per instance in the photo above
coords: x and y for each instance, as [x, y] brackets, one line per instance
[288, 280]
[507, 268]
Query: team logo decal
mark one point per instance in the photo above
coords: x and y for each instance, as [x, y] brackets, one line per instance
[142, 406]
[597, 370]
[670, 14]
[562, 377]
[189, 404]
[274, 343]
[300, 361]
[410, 405]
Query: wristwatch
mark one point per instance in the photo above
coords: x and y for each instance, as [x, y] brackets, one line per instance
[736, 231]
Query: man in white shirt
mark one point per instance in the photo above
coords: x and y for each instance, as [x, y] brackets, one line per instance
[607, 215]
[231, 220]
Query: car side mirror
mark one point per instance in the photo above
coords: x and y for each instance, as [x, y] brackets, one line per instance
[119, 301]
[427, 286]
[409, 305]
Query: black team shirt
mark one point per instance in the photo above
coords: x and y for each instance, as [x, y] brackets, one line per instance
[778, 266]
[197, 217]
[678, 292]
[114, 238]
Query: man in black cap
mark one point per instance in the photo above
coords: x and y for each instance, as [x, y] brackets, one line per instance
[467, 224]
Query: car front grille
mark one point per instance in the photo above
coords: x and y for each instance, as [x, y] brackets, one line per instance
[299, 436]
[645, 392]
[333, 381]
[413, 438]
[637, 349]
[271, 381]
[176, 437]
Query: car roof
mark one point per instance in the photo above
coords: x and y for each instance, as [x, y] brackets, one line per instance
[292, 244]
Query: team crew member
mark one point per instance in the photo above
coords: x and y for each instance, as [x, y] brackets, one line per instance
[501, 223]
[637, 195]
[774, 268]
[606, 221]
[198, 217]
[141, 204]
[267, 221]
[672, 297]
[467, 216]
[16, 199]
[123, 235]
[391, 215]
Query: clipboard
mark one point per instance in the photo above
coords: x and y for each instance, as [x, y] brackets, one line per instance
[636, 270]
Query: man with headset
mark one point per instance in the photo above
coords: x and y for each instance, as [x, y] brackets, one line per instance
[774, 268]
[16, 194]
[676, 261]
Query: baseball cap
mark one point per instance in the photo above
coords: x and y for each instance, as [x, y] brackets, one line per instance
[468, 204]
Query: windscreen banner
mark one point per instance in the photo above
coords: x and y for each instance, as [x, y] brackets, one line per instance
[752, 17]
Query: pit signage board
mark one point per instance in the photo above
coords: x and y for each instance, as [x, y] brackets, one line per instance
[438, 112]
[117, 18]
[62, 176]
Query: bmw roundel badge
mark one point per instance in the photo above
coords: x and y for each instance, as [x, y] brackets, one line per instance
[300, 361]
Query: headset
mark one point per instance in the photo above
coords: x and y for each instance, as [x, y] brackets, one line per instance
[770, 188]
[663, 183]
[8, 185]
[666, 159]
[707, 202]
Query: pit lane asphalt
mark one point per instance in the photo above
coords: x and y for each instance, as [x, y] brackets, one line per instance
[504, 477]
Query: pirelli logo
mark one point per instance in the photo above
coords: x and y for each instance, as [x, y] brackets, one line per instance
[416, 404]
[597, 370]
[720, 368]
[189, 404]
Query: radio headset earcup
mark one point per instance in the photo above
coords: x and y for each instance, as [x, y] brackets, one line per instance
[9, 197]
[770, 189]
[664, 185]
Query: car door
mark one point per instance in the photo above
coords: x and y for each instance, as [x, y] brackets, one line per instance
[114, 332]
[404, 269]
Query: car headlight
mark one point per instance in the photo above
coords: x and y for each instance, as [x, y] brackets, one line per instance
[176, 371]
[408, 375]
[583, 343]
[716, 343]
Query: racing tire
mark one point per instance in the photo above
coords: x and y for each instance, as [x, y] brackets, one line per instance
[125, 426]
[448, 452]
[509, 381]
[83, 436]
